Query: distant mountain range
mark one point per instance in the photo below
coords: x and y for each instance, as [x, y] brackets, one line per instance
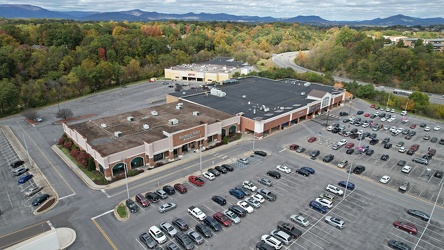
[30, 11]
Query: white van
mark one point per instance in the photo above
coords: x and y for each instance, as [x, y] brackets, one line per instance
[404, 113]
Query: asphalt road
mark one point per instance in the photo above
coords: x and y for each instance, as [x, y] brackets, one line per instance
[287, 60]
[88, 211]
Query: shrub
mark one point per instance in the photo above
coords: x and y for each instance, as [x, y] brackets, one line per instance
[133, 172]
[82, 158]
[225, 140]
[67, 144]
[74, 147]
[74, 153]
[121, 210]
[91, 164]
[61, 140]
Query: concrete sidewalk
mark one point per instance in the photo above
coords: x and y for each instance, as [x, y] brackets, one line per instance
[184, 159]
[57, 238]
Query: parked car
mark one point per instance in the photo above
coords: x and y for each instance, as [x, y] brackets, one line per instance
[180, 188]
[222, 219]
[214, 172]
[167, 228]
[219, 200]
[404, 186]
[181, 224]
[17, 163]
[283, 168]
[300, 150]
[258, 197]
[236, 193]
[421, 161]
[265, 181]
[152, 197]
[359, 169]
[327, 196]
[348, 185]
[228, 167]
[328, 158]
[246, 206]
[267, 194]
[350, 151]
[294, 147]
[162, 194]
[335, 221]
[184, 241]
[221, 169]
[419, 214]
[171, 245]
[300, 220]
[195, 237]
[196, 213]
[272, 241]
[282, 236]
[253, 202]
[25, 178]
[385, 179]
[325, 202]
[289, 229]
[169, 190]
[40, 199]
[438, 174]
[167, 207]
[260, 152]
[32, 191]
[149, 241]
[239, 211]
[213, 224]
[209, 175]
[315, 153]
[303, 172]
[312, 139]
[196, 180]
[243, 161]
[406, 169]
[398, 245]
[19, 171]
[131, 206]
[232, 216]
[157, 235]
[334, 189]
[274, 174]
[203, 230]
[408, 227]
[309, 169]
[385, 157]
[318, 206]
[249, 185]
[246, 191]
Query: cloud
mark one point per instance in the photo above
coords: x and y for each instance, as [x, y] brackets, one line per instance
[327, 9]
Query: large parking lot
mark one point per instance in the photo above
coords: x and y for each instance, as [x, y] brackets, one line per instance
[16, 205]
[368, 216]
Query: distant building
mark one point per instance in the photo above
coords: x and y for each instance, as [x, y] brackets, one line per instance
[217, 70]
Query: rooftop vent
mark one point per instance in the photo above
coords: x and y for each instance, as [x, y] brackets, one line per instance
[146, 126]
[103, 125]
[173, 121]
[154, 113]
[117, 134]
[130, 118]
[196, 113]
[218, 92]
[180, 104]
[307, 84]
[302, 93]
[178, 107]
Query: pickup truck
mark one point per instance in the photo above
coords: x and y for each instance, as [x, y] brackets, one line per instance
[267, 194]
[289, 229]
[196, 212]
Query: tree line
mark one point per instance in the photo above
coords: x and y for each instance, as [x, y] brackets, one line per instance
[48, 61]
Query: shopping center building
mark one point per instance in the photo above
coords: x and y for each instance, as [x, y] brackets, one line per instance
[194, 119]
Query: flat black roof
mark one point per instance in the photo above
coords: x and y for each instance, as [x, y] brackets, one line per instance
[257, 97]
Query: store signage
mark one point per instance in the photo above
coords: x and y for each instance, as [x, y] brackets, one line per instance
[189, 136]
[191, 74]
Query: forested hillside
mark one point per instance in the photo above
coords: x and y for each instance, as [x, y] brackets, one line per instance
[46, 61]
[367, 56]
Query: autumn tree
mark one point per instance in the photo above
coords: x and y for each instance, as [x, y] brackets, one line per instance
[64, 114]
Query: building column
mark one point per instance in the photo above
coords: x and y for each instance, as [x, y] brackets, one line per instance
[196, 145]
[108, 174]
[170, 155]
[151, 162]
[219, 137]
[179, 152]
[269, 131]
[205, 143]
[280, 127]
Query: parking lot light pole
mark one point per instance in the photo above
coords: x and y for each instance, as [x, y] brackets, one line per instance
[388, 98]
[431, 214]
[348, 179]
[406, 105]
[200, 157]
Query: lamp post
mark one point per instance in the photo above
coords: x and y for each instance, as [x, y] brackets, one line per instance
[388, 98]
[406, 103]
[200, 157]
[328, 115]
[126, 177]
[350, 101]
[348, 179]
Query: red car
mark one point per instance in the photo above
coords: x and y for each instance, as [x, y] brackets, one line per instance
[366, 114]
[180, 188]
[372, 106]
[144, 202]
[349, 145]
[222, 219]
[408, 227]
[294, 146]
[312, 139]
[196, 180]
[413, 126]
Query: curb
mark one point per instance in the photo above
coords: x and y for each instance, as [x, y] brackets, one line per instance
[128, 214]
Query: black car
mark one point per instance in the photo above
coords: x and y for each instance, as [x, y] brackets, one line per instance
[221, 169]
[315, 153]
[398, 245]
[386, 140]
[328, 158]
[212, 223]
[219, 200]
[343, 113]
[246, 191]
[149, 241]
[401, 163]
[434, 139]
[169, 189]
[353, 136]
[419, 214]
[385, 157]
[204, 230]
[441, 141]
[40, 199]
[423, 125]
[360, 112]
[184, 241]
[388, 145]
[350, 151]
[261, 245]
[359, 169]
[238, 210]
[370, 152]
[132, 206]
[410, 152]
[228, 167]
[438, 174]
[171, 245]
[274, 174]
[303, 172]
[152, 197]
[260, 152]
[17, 164]
[374, 142]
[181, 224]
[214, 171]
[373, 136]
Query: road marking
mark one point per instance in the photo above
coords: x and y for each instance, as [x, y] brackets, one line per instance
[100, 215]
[282, 150]
[209, 208]
[50, 225]
[104, 191]
[69, 195]
[140, 243]
[104, 234]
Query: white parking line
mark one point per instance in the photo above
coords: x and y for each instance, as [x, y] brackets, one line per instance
[326, 241]
[69, 195]
[100, 215]
[282, 150]
[137, 239]
[209, 208]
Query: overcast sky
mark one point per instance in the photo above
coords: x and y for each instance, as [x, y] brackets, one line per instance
[327, 9]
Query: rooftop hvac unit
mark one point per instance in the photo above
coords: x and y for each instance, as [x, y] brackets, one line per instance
[154, 113]
[196, 113]
[130, 118]
[173, 121]
[179, 107]
[180, 104]
[218, 92]
[146, 126]
[307, 84]
[117, 134]
[103, 125]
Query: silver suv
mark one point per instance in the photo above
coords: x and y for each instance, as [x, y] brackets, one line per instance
[421, 161]
[334, 221]
[334, 190]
